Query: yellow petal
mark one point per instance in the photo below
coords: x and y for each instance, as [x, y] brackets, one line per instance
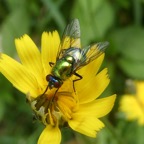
[88, 72]
[30, 57]
[18, 75]
[140, 91]
[86, 125]
[92, 68]
[50, 44]
[133, 108]
[97, 108]
[67, 86]
[50, 135]
[85, 120]
[90, 90]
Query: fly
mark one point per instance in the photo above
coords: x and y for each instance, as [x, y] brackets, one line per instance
[71, 57]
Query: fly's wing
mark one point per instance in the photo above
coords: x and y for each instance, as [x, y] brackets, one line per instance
[90, 53]
[70, 38]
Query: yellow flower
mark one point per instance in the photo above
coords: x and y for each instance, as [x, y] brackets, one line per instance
[133, 104]
[79, 110]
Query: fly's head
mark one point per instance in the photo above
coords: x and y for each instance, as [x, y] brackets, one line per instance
[54, 82]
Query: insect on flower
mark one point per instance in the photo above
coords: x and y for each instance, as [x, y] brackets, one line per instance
[70, 59]
[50, 92]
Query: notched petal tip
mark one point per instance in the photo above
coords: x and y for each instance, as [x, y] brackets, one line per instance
[44, 33]
[21, 37]
[55, 32]
[88, 126]
[107, 74]
[94, 87]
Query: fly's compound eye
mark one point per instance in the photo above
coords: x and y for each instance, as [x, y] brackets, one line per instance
[57, 84]
[53, 81]
[49, 78]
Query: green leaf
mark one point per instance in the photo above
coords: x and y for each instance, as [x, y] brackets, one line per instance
[129, 45]
[123, 3]
[140, 132]
[134, 69]
[15, 4]
[129, 42]
[96, 17]
[55, 12]
[2, 109]
[15, 25]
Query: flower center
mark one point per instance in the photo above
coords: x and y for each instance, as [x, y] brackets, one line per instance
[53, 108]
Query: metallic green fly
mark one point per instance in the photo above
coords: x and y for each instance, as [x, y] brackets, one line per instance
[72, 58]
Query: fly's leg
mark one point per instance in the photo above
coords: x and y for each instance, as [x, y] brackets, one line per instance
[51, 64]
[45, 91]
[52, 99]
[55, 94]
[79, 78]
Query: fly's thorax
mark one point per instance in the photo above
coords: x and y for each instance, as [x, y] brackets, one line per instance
[63, 68]
[75, 53]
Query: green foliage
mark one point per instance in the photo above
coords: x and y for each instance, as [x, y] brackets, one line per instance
[129, 44]
[14, 26]
[97, 18]
[120, 22]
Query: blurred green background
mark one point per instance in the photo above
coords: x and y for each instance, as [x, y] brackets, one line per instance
[121, 22]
